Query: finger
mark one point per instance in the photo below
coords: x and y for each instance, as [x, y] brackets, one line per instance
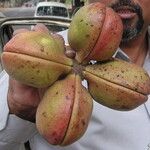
[19, 31]
[40, 27]
[42, 92]
[18, 85]
[24, 93]
[70, 52]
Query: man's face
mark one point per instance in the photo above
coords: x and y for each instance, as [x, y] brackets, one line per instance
[135, 15]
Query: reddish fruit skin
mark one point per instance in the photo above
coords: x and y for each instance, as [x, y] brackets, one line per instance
[85, 28]
[63, 114]
[95, 33]
[39, 59]
[109, 38]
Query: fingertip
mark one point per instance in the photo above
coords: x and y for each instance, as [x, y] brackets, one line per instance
[40, 27]
[19, 31]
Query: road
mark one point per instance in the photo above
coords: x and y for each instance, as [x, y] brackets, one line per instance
[18, 12]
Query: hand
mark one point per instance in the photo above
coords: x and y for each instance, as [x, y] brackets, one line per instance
[23, 100]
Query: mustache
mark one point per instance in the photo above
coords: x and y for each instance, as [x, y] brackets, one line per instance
[130, 32]
[128, 3]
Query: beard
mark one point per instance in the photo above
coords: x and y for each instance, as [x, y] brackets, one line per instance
[130, 32]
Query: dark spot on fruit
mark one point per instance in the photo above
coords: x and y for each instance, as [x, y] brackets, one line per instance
[114, 33]
[22, 66]
[117, 100]
[83, 122]
[44, 114]
[38, 71]
[56, 93]
[33, 67]
[56, 140]
[87, 35]
[76, 126]
[42, 49]
[122, 77]
[67, 97]
[54, 134]
[81, 20]
[121, 92]
[56, 137]
[124, 107]
[136, 89]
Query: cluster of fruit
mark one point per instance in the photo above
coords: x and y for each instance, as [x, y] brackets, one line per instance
[38, 59]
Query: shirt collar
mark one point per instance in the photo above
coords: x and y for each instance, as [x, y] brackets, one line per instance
[121, 55]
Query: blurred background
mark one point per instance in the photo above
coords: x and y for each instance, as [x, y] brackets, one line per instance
[17, 8]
